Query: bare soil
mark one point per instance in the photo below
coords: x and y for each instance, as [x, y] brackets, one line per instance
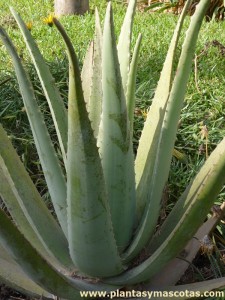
[7, 293]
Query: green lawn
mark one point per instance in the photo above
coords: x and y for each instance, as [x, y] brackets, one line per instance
[205, 99]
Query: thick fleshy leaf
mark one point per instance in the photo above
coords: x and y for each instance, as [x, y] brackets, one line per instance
[50, 164]
[38, 269]
[191, 192]
[124, 43]
[186, 227]
[131, 83]
[157, 142]
[16, 212]
[177, 266]
[28, 198]
[114, 141]
[91, 239]
[87, 72]
[92, 77]
[32, 263]
[55, 102]
[13, 276]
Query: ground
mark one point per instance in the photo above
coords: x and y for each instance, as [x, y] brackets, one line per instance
[8, 294]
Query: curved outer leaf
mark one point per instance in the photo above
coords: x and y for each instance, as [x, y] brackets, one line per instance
[92, 77]
[163, 136]
[177, 266]
[31, 203]
[114, 141]
[52, 94]
[124, 43]
[185, 228]
[91, 239]
[16, 212]
[49, 161]
[38, 269]
[182, 204]
[13, 276]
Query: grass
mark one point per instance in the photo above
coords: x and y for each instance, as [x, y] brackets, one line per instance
[205, 100]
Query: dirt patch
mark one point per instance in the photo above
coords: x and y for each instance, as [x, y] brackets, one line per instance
[7, 293]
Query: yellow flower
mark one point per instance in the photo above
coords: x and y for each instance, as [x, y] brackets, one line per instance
[144, 113]
[141, 112]
[29, 25]
[49, 20]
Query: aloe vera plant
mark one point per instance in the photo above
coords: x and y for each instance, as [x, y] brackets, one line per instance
[106, 201]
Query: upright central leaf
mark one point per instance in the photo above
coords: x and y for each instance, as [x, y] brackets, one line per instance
[90, 232]
[125, 42]
[92, 77]
[114, 140]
